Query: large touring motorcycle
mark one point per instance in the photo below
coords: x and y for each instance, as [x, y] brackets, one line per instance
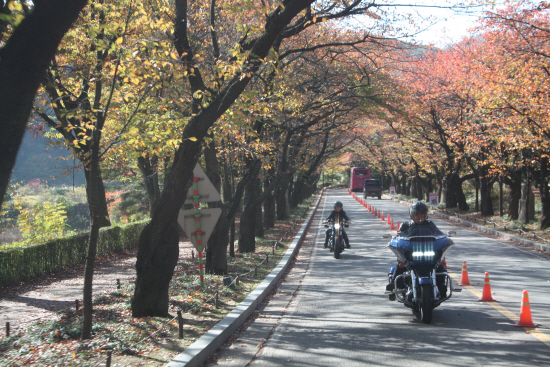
[425, 284]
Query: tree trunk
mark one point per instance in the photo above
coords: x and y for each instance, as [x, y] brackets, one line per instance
[259, 225]
[216, 249]
[282, 202]
[477, 187]
[269, 208]
[514, 183]
[486, 189]
[247, 226]
[99, 217]
[544, 195]
[149, 173]
[455, 195]
[26, 55]
[157, 257]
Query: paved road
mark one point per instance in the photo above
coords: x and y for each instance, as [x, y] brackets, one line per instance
[339, 316]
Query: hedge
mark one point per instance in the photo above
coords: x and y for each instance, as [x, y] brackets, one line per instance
[35, 260]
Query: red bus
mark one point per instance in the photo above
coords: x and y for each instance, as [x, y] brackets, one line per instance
[358, 177]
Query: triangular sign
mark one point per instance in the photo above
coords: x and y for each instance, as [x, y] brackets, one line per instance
[206, 189]
[207, 221]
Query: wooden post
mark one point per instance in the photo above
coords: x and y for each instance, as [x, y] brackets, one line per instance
[216, 301]
[180, 325]
[7, 329]
[76, 304]
[108, 363]
[266, 258]
[118, 284]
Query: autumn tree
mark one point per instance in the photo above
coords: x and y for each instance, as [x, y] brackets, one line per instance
[92, 82]
[29, 38]
[213, 94]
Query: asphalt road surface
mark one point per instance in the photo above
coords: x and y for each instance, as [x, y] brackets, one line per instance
[339, 315]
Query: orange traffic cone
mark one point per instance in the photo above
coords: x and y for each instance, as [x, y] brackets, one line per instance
[486, 297]
[525, 312]
[382, 216]
[389, 219]
[464, 280]
[392, 226]
[398, 226]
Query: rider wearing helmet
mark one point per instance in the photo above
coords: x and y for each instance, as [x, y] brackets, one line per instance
[338, 210]
[419, 217]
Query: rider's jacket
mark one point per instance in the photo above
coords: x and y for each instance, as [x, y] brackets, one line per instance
[342, 215]
[407, 225]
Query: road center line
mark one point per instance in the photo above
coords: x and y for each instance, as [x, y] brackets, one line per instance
[504, 311]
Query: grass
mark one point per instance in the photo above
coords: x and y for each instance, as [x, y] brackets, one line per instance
[151, 341]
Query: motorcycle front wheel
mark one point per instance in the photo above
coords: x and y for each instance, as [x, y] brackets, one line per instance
[337, 248]
[426, 307]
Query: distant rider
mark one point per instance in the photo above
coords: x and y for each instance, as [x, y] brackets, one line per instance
[419, 217]
[338, 210]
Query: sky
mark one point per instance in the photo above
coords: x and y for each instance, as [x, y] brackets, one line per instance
[449, 26]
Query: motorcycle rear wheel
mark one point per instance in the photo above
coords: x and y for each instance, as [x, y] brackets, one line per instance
[426, 307]
[337, 248]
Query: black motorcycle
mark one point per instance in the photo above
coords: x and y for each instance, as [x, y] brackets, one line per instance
[424, 285]
[336, 240]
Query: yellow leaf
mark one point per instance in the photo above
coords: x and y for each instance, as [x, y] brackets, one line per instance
[118, 40]
[193, 138]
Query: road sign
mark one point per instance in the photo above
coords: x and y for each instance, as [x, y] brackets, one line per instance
[207, 191]
[208, 219]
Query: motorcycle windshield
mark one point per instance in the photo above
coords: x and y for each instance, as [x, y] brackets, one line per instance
[420, 244]
[421, 231]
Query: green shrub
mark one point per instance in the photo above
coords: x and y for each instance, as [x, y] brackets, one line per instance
[30, 261]
[42, 222]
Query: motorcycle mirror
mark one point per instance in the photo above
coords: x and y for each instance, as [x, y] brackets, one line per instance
[451, 233]
[346, 225]
[387, 235]
[326, 225]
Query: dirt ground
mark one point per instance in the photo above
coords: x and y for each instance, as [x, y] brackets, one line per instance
[43, 297]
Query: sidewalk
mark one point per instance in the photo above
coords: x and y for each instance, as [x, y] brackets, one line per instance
[41, 298]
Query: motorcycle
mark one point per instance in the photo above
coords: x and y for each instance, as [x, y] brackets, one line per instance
[422, 251]
[336, 240]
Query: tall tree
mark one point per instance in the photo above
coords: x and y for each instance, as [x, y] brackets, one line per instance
[24, 58]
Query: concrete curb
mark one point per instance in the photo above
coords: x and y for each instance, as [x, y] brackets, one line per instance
[199, 351]
[523, 241]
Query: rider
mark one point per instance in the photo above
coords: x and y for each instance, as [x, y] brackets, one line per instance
[338, 209]
[419, 217]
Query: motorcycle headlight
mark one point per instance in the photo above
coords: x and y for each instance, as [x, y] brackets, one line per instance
[337, 226]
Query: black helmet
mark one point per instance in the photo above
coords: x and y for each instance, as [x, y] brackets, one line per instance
[338, 203]
[418, 207]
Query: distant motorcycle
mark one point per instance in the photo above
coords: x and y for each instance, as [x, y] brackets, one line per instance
[336, 240]
[422, 250]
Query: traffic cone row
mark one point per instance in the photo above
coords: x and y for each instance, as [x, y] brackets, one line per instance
[525, 319]
[377, 213]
